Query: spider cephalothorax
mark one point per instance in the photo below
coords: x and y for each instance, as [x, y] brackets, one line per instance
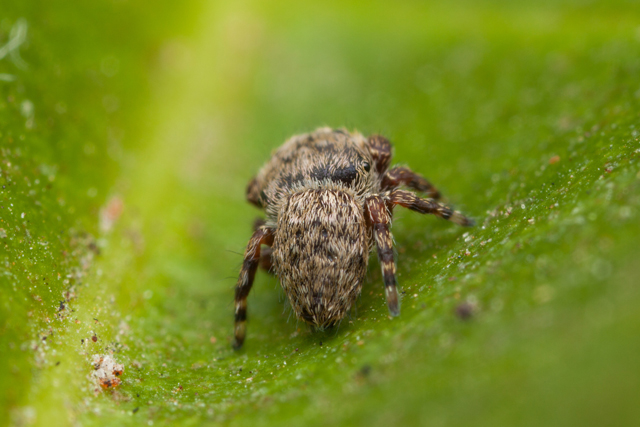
[329, 197]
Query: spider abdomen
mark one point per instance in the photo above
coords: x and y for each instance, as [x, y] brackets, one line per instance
[320, 253]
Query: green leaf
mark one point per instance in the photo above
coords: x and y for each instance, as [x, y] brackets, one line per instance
[128, 132]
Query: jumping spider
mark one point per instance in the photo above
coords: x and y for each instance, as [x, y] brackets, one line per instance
[329, 197]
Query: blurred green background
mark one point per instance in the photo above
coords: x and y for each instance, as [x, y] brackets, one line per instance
[129, 129]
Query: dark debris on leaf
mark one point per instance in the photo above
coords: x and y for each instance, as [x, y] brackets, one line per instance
[465, 311]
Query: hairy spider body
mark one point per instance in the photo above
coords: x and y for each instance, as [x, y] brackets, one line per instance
[328, 197]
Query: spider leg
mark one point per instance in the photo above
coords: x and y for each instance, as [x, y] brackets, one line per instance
[258, 222]
[266, 263]
[404, 176]
[253, 192]
[262, 235]
[426, 206]
[380, 149]
[379, 219]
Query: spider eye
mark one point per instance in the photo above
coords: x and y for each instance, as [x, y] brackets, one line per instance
[367, 166]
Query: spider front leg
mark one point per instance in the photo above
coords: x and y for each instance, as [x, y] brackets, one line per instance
[266, 262]
[262, 236]
[380, 219]
[426, 206]
[404, 176]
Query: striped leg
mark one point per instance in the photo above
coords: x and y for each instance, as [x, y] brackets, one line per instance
[405, 176]
[380, 220]
[262, 235]
[426, 206]
[266, 263]
[380, 149]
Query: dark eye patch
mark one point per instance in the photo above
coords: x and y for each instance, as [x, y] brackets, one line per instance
[345, 175]
[367, 166]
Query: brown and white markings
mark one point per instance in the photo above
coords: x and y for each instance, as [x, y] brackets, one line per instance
[329, 197]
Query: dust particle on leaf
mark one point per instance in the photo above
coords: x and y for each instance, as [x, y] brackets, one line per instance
[106, 372]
